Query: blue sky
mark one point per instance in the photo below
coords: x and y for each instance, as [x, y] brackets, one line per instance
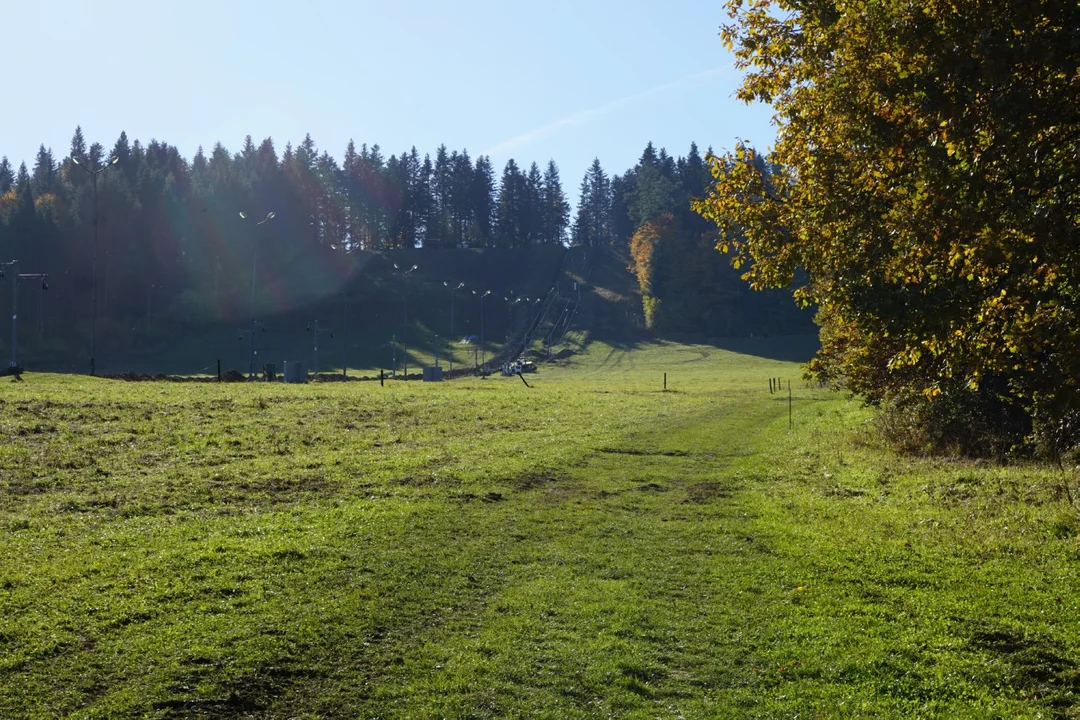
[529, 80]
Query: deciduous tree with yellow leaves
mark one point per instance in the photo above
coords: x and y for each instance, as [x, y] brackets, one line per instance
[925, 176]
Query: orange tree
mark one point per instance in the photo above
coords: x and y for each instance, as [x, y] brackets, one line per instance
[925, 176]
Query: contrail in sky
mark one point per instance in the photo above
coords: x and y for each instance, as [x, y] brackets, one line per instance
[532, 136]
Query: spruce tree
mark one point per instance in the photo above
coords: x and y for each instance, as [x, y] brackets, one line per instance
[44, 177]
[441, 187]
[122, 149]
[623, 188]
[7, 177]
[78, 144]
[509, 206]
[556, 210]
[427, 207]
[592, 226]
[482, 203]
[532, 207]
[460, 187]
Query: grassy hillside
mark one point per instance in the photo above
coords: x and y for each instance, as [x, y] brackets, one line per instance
[184, 340]
[589, 547]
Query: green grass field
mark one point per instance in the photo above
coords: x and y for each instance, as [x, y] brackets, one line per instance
[589, 547]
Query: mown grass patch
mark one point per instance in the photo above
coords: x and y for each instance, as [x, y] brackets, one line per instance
[590, 547]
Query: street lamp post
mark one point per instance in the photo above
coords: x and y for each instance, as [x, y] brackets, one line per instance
[15, 278]
[510, 303]
[453, 293]
[483, 350]
[315, 332]
[345, 340]
[94, 172]
[254, 255]
[405, 329]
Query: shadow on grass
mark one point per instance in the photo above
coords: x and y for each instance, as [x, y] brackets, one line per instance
[1038, 664]
[785, 348]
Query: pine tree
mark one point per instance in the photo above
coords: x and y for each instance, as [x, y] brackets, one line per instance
[482, 203]
[427, 208]
[555, 208]
[7, 177]
[441, 185]
[78, 144]
[654, 191]
[247, 155]
[460, 187]
[592, 226]
[532, 207]
[623, 188]
[44, 178]
[509, 207]
[199, 165]
[122, 150]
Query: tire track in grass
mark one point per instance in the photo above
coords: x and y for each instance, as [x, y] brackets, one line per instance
[606, 601]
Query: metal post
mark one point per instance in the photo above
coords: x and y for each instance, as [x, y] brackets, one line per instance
[94, 308]
[315, 332]
[405, 330]
[483, 350]
[93, 304]
[453, 296]
[14, 312]
[254, 255]
[345, 332]
[251, 339]
[15, 278]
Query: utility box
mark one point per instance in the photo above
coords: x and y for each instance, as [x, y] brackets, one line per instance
[294, 372]
[433, 374]
[270, 372]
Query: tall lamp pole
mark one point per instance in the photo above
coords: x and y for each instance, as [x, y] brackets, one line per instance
[94, 172]
[483, 350]
[15, 278]
[453, 293]
[315, 331]
[405, 329]
[345, 344]
[254, 255]
[511, 301]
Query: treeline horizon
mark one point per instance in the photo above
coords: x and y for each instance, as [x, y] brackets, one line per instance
[162, 232]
